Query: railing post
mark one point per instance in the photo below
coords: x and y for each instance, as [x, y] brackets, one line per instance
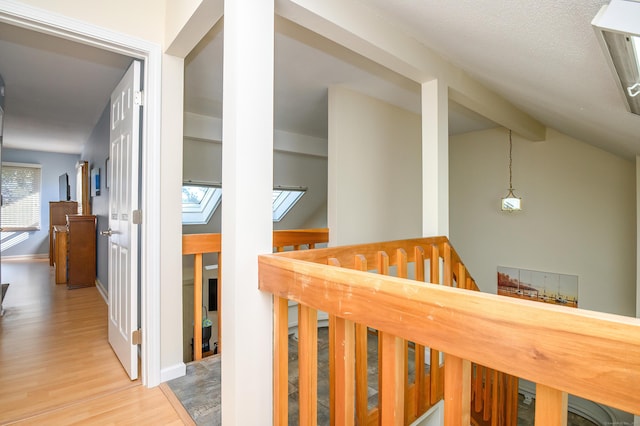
[420, 397]
[551, 406]
[197, 307]
[308, 365]
[457, 391]
[391, 390]
[362, 396]
[281, 361]
[344, 362]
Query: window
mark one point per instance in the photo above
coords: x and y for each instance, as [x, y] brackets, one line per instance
[21, 193]
[198, 203]
[283, 200]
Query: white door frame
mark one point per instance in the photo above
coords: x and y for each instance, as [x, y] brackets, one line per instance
[50, 23]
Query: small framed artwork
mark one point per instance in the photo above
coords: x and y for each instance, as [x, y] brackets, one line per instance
[547, 287]
[95, 182]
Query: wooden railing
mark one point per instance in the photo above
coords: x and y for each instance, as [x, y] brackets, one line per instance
[200, 244]
[588, 354]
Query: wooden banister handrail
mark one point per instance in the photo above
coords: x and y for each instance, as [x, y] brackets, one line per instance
[589, 354]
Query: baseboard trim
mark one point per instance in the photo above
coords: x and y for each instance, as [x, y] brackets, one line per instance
[102, 290]
[25, 257]
[173, 372]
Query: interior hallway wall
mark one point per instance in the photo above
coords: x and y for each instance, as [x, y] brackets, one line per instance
[375, 176]
[578, 213]
[53, 165]
[96, 152]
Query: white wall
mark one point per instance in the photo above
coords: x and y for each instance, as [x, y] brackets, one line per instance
[144, 18]
[374, 170]
[578, 213]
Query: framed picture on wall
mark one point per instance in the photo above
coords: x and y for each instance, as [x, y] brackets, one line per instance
[95, 182]
[547, 287]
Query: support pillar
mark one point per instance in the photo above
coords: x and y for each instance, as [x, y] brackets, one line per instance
[247, 178]
[435, 159]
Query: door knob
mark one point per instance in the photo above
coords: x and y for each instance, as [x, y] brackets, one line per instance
[106, 233]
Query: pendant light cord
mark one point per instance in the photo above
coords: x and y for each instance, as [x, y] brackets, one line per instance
[510, 161]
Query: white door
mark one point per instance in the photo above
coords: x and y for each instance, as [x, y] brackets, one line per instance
[123, 206]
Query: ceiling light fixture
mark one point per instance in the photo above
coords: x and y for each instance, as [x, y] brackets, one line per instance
[617, 27]
[511, 203]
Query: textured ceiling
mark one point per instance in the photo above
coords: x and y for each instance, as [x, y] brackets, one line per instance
[55, 89]
[541, 55]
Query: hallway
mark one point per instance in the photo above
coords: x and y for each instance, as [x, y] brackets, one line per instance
[56, 365]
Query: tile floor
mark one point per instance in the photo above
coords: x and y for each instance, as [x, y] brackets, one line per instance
[199, 391]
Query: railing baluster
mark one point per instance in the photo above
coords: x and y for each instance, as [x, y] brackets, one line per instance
[197, 307]
[495, 397]
[447, 278]
[486, 408]
[457, 391]
[281, 361]
[344, 360]
[382, 263]
[332, 357]
[403, 272]
[391, 389]
[308, 365]
[435, 392]
[477, 388]
[362, 395]
[551, 406]
[420, 397]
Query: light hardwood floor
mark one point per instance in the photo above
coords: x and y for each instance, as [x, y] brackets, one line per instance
[56, 365]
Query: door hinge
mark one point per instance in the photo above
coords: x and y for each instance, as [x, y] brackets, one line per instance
[137, 98]
[136, 337]
[136, 217]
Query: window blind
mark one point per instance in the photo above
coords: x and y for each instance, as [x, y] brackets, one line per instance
[21, 192]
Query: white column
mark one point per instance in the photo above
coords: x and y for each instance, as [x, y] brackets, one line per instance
[247, 178]
[435, 159]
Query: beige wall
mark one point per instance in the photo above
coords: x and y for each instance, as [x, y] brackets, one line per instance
[374, 170]
[140, 18]
[578, 213]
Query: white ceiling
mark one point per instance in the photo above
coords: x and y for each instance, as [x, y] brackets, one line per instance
[55, 89]
[540, 55]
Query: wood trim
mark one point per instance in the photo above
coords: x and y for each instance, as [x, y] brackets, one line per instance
[457, 391]
[307, 365]
[551, 406]
[297, 237]
[185, 418]
[201, 243]
[281, 362]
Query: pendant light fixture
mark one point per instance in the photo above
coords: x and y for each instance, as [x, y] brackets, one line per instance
[511, 203]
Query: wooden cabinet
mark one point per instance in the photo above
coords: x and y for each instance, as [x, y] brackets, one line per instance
[81, 250]
[58, 211]
[60, 253]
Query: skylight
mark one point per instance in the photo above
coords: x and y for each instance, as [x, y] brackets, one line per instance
[199, 202]
[283, 200]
